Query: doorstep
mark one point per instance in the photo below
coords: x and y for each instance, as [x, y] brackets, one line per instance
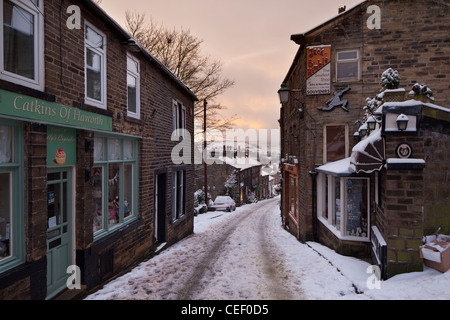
[75, 294]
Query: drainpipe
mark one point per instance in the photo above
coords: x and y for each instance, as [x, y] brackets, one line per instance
[313, 175]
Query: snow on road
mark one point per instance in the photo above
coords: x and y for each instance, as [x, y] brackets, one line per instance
[246, 255]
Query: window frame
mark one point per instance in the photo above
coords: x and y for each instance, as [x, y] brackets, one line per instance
[16, 171]
[38, 82]
[342, 61]
[178, 198]
[137, 76]
[325, 141]
[102, 52]
[178, 118]
[105, 164]
[328, 222]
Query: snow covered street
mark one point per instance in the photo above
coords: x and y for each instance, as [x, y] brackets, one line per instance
[246, 255]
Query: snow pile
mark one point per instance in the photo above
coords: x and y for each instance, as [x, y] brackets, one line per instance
[257, 259]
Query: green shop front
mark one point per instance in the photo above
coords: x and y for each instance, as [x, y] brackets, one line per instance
[65, 181]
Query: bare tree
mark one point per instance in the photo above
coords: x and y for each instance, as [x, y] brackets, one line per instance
[181, 53]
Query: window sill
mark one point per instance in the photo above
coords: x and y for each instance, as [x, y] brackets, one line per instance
[179, 220]
[118, 230]
[338, 235]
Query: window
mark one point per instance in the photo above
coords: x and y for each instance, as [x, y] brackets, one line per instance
[179, 118]
[336, 143]
[347, 66]
[11, 197]
[133, 87]
[95, 67]
[22, 42]
[115, 182]
[347, 199]
[178, 194]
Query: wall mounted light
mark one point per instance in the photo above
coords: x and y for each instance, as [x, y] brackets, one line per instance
[402, 122]
[283, 93]
[371, 123]
[363, 130]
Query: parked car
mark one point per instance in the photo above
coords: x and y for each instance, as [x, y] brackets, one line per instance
[224, 203]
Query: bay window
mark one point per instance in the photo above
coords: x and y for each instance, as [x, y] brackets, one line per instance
[115, 183]
[343, 206]
[22, 40]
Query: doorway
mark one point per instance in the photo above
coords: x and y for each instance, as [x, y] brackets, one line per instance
[160, 234]
[59, 229]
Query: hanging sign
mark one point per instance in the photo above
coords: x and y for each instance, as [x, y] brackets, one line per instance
[318, 70]
[36, 110]
[61, 146]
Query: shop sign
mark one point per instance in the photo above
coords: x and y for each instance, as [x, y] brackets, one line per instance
[21, 106]
[318, 70]
[61, 146]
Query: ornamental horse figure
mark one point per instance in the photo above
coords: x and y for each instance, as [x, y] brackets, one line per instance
[336, 101]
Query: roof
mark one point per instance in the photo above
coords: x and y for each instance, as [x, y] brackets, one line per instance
[241, 163]
[299, 38]
[96, 9]
[340, 168]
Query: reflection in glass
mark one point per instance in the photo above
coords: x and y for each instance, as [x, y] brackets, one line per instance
[98, 199]
[18, 40]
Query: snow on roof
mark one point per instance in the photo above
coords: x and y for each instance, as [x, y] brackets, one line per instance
[240, 163]
[338, 168]
[413, 103]
[410, 160]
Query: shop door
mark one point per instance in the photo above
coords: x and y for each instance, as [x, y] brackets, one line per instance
[59, 232]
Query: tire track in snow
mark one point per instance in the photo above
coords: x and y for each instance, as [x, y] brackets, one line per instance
[273, 267]
[206, 263]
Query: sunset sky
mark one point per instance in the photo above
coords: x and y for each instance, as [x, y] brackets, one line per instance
[250, 37]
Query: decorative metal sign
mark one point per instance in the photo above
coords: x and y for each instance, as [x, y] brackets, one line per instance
[404, 151]
[336, 101]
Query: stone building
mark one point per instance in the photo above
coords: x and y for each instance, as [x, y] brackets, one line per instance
[86, 177]
[331, 191]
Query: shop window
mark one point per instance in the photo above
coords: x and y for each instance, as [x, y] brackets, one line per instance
[21, 57]
[133, 80]
[11, 197]
[336, 143]
[115, 183]
[95, 67]
[293, 199]
[178, 194]
[347, 199]
[347, 66]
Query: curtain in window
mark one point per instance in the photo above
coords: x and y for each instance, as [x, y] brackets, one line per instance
[5, 144]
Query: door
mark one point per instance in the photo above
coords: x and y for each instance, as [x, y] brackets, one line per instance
[160, 207]
[59, 229]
